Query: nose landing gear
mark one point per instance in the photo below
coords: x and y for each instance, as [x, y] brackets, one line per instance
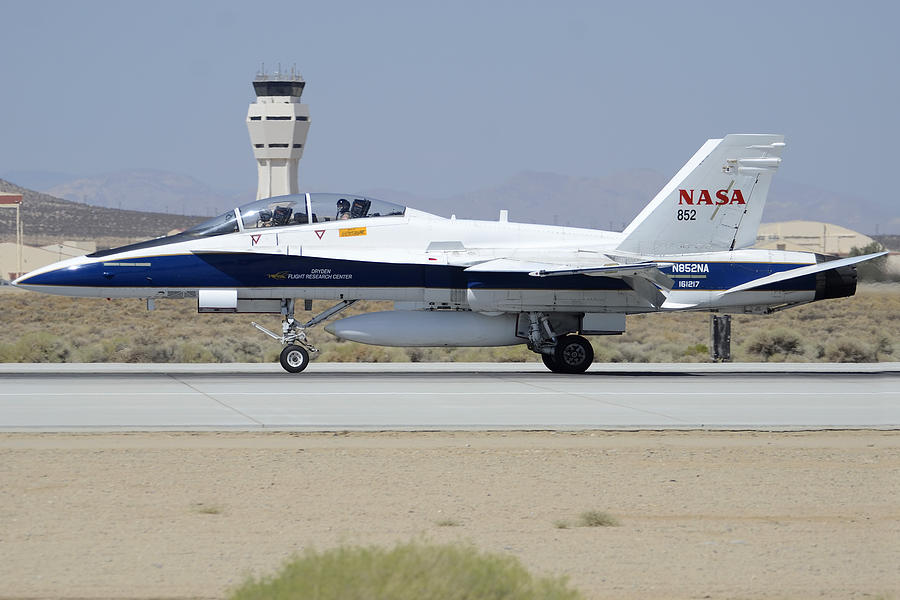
[297, 350]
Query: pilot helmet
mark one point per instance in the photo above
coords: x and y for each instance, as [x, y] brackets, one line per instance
[343, 204]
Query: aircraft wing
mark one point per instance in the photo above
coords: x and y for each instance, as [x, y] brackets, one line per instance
[645, 278]
[613, 270]
[543, 269]
[800, 272]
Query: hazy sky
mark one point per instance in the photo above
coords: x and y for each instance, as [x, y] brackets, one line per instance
[443, 97]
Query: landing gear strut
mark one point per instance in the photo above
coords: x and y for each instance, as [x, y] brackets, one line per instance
[296, 353]
[561, 354]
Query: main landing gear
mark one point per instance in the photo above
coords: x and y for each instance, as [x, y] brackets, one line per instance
[573, 354]
[297, 350]
[561, 354]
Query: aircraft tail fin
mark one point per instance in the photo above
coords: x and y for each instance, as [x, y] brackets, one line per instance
[715, 202]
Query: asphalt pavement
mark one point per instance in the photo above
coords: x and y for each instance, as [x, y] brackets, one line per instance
[447, 396]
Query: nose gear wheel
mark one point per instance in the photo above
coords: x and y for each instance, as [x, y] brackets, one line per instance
[294, 358]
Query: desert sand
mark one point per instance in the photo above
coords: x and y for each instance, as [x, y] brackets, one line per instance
[702, 514]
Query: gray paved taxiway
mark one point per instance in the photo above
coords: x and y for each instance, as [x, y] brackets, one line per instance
[447, 396]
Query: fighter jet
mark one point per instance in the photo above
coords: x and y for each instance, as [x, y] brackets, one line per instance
[457, 282]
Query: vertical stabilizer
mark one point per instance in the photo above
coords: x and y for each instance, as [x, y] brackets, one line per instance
[715, 202]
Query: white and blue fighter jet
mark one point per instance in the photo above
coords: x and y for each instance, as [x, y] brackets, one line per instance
[457, 282]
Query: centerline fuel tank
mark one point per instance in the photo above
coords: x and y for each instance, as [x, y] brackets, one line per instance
[428, 328]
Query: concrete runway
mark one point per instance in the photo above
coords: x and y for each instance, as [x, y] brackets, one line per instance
[431, 396]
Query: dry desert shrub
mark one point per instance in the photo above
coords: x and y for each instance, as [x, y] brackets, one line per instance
[849, 350]
[597, 518]
[42, 328]
[779, 341]
[36, 347]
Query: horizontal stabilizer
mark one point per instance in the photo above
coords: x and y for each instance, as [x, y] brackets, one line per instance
[800, 272]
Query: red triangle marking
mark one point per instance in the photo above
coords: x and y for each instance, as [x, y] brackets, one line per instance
[320, 233]
[255, 238]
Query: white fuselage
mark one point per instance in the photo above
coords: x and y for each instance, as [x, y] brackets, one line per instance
[416, 258]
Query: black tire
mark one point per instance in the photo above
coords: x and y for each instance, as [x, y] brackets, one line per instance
[550, 362]
[294, 358]
[573, 354]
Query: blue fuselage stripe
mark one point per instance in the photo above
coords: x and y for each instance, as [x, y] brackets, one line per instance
[250, 270]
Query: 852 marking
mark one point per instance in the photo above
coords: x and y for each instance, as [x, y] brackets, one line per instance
[687, 214]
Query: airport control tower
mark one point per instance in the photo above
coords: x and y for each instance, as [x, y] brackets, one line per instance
[278, 125]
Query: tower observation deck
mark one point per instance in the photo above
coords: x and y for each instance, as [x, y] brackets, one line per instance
[278, 124]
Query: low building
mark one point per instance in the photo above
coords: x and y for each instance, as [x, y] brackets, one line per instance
[34, 258]
[810, 236]
[815, 236]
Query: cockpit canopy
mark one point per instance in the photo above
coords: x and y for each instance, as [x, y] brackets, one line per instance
[295, 210]
[280, 211]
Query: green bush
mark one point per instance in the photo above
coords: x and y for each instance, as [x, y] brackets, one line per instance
[411, 571]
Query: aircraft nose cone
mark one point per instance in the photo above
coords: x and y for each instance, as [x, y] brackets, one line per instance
[21, 280]
[47, 276]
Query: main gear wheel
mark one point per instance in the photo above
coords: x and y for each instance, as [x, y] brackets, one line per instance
[573, 354]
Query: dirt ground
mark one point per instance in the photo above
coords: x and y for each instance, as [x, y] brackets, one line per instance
[703, 514]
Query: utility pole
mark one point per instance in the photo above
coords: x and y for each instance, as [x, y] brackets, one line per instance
[15, 201]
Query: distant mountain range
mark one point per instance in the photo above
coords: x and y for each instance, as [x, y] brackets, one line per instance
[534, 197]
[46, 218]
[608, 202]
[611, 202]
[136, 189]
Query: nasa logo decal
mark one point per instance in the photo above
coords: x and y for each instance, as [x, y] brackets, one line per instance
[704, 197]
